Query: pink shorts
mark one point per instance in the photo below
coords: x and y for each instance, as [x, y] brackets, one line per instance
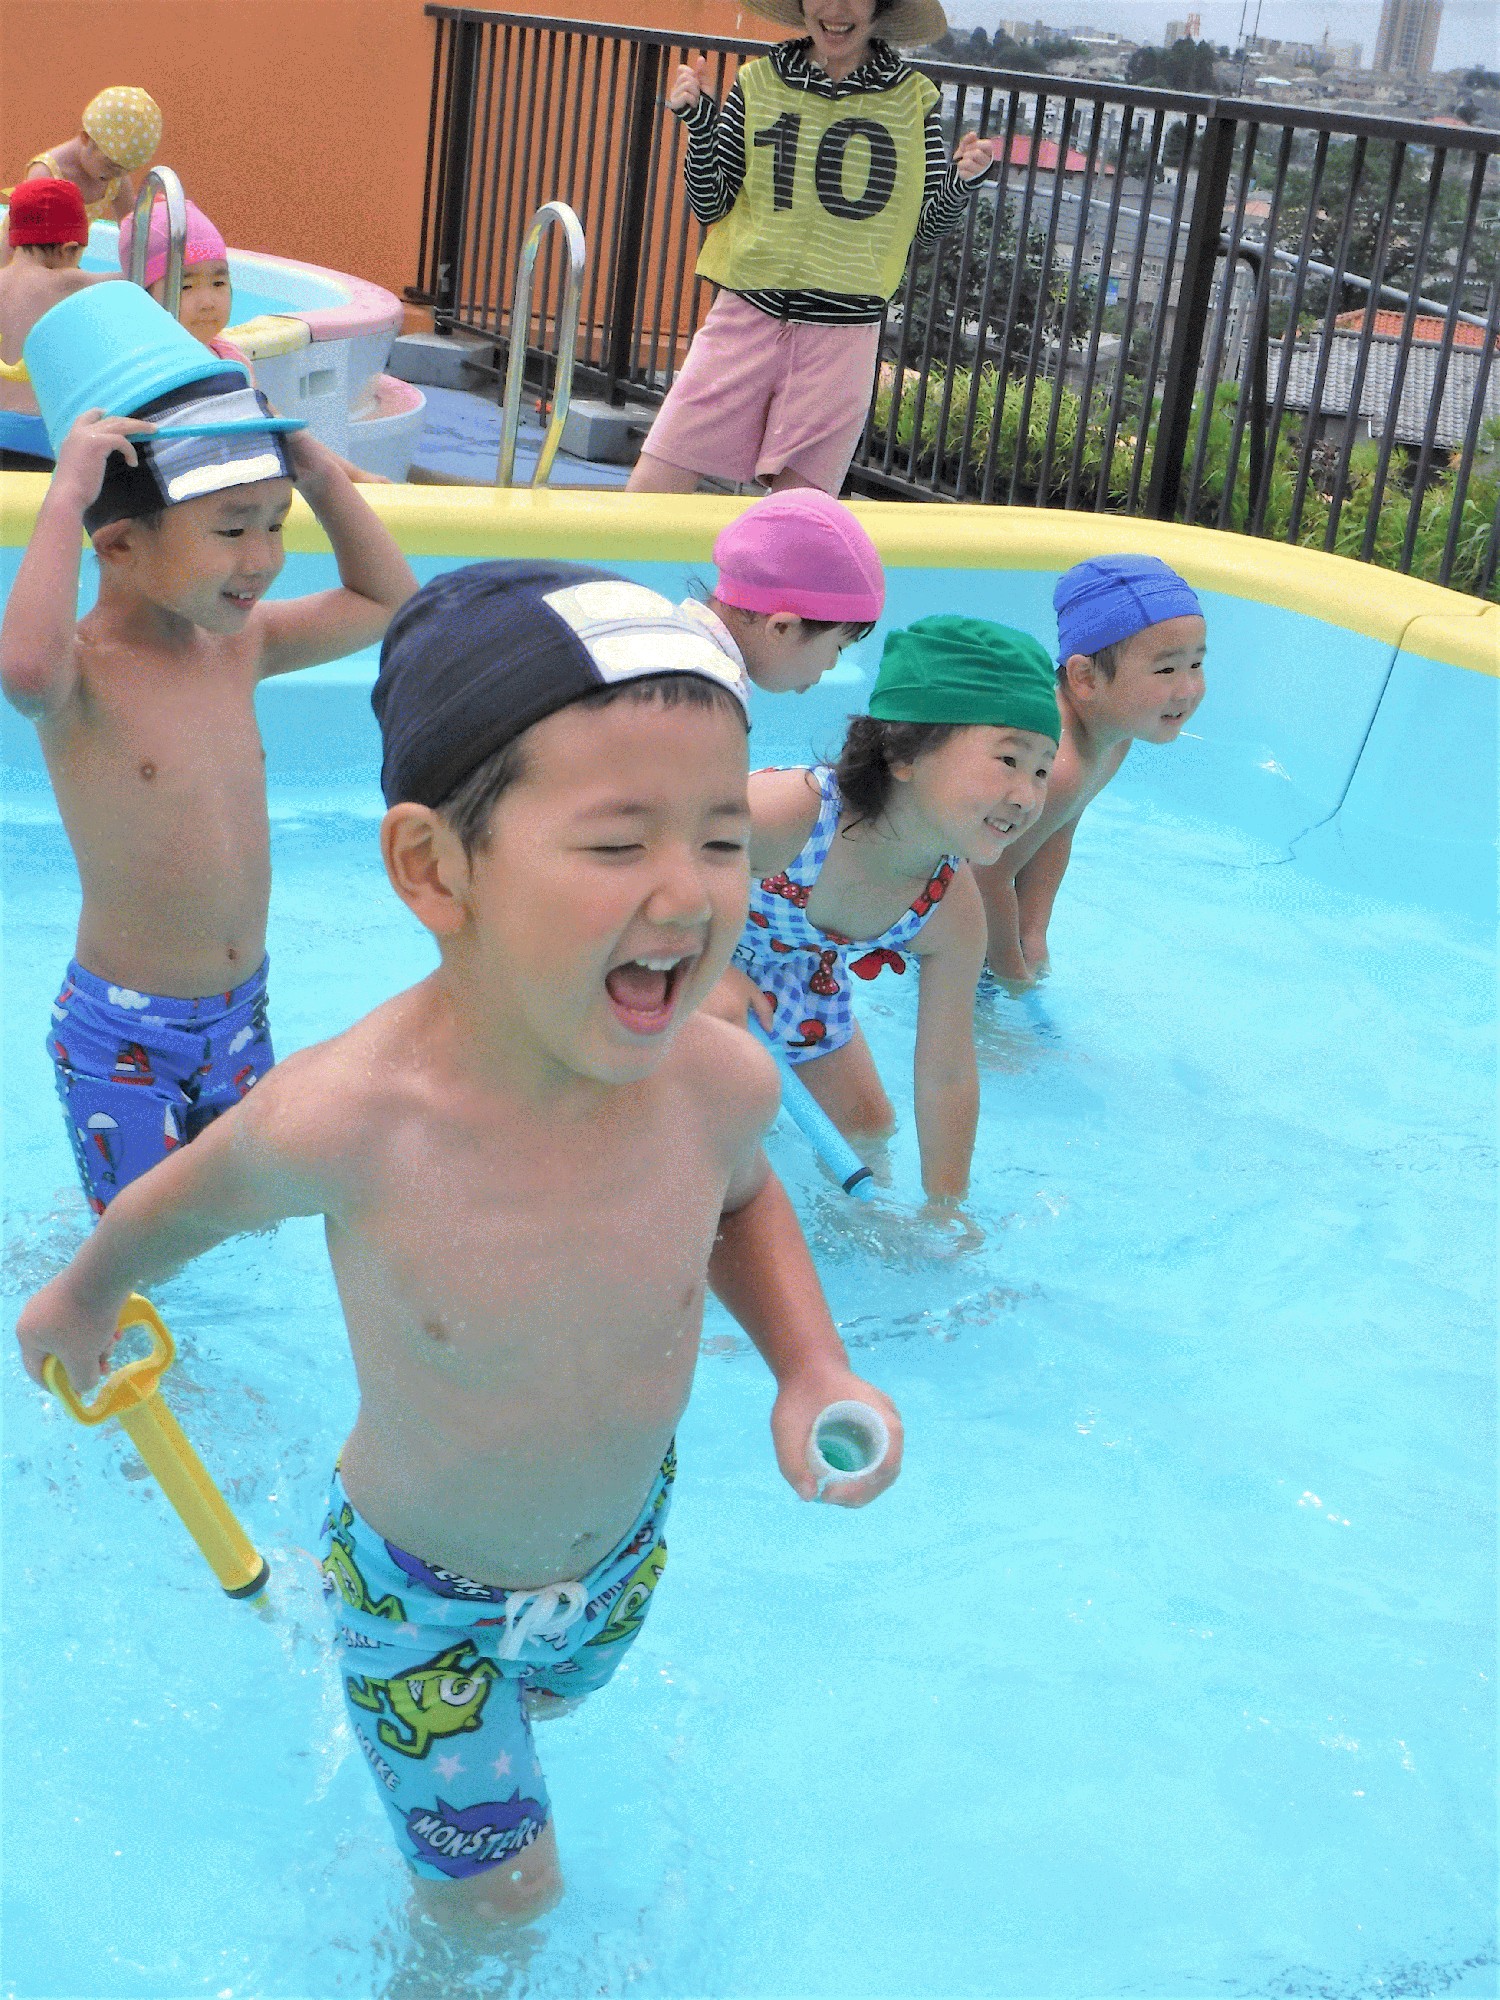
[757, 395]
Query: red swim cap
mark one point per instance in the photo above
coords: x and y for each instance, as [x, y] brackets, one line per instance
[47, 212]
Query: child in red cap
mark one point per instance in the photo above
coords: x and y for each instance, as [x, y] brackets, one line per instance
[48, 231]
[799, 579]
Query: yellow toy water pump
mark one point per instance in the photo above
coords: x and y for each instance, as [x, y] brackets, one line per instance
[132, 1393]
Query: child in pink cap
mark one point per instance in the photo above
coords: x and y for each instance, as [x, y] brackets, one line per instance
[207, 293]
[799, 579]
[207, 296]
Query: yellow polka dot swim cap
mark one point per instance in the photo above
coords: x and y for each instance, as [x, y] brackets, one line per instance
[124, 122]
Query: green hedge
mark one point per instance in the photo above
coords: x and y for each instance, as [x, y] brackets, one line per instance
[1013, 451]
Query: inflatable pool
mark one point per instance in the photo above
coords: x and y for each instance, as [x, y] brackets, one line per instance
[1166, 1668]
[318, 340]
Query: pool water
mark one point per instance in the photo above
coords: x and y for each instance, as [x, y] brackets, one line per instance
[1165, 1669]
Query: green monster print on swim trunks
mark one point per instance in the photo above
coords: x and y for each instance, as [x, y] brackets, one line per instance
[341, 1568]
[629, 1611]
[443, 1697]
[442, 1673]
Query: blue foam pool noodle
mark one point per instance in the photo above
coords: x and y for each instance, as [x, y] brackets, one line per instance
[820, 1132]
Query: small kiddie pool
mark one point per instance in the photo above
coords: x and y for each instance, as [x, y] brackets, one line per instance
[1167, 1668]
[319, 340]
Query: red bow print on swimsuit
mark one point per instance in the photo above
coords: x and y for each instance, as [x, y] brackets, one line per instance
[935, 891]
[795, 893]
[873, 963]
[822, 981]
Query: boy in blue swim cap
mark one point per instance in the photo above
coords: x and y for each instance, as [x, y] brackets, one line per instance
[1130, 645]
[531, 1165]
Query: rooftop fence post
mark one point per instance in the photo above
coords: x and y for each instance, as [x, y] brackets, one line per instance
[457, 150]
[1191, 316]
[631, 234]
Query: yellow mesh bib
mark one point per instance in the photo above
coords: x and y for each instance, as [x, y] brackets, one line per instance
[832, 193]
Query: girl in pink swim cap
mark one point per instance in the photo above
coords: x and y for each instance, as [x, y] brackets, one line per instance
[799, 579]
[207, 293]
[207, 296]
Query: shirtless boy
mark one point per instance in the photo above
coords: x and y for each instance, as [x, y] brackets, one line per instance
[1130, 641]
[529, 1166]
[48, 230]
[146, 714]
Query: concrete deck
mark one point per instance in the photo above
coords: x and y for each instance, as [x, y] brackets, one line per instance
[461, 441]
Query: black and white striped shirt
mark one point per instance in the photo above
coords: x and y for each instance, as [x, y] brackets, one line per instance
[715, 170]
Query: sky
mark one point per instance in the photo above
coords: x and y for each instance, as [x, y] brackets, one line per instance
[1470, 31]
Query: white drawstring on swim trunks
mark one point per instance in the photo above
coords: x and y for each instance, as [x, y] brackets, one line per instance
[546, 1614]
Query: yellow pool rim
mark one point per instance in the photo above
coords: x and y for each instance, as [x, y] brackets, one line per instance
[591, 525]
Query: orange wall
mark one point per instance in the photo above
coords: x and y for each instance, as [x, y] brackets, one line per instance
[299, 126]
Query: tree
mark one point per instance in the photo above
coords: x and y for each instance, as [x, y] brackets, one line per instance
[1187, 65]
[974, 311]
[1059, 48]
[1365, 207]
[1000, 51]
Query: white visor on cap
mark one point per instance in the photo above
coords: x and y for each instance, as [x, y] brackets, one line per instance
[187, 468]
[631, 632]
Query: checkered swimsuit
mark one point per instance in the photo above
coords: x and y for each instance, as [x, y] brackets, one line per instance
[805, 972]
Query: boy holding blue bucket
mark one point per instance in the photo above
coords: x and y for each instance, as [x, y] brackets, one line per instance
[1130, 644]
[531, 1166]
[145, 708]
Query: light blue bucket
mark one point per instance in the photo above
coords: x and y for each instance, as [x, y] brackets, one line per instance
[111, 347]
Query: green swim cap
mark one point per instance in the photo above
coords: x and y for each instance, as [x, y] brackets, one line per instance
[966, 670]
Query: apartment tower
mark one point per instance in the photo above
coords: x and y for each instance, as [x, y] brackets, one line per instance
[1408, 36]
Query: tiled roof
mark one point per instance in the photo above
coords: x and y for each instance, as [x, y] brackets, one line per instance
[1020, 156]
[1425, 327]
[1414, 410]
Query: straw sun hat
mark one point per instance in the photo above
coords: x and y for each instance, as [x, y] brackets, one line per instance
[906, 25]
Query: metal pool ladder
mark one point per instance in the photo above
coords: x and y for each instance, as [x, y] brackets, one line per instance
[160, 180]
[550, 213]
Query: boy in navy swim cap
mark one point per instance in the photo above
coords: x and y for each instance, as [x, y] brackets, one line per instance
[1130, 644]
[531, 1165]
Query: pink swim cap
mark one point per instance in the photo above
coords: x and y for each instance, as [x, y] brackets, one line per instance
[802, 552]
[204, 243]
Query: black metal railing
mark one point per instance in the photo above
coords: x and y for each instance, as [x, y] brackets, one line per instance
[1255, 316]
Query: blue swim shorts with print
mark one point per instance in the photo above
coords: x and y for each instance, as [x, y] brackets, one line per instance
[139, 1075]
[437, 1670]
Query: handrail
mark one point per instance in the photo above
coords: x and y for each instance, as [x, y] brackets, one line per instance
[550, 213]
[164, 180]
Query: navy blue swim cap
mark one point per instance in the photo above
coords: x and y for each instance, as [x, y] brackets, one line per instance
[482, 653]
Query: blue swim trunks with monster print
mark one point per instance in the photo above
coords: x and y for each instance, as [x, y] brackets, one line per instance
[440, 1673]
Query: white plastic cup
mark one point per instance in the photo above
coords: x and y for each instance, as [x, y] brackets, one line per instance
[848, 1440]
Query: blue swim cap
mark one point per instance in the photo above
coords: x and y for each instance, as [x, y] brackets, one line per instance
[1110, 598]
